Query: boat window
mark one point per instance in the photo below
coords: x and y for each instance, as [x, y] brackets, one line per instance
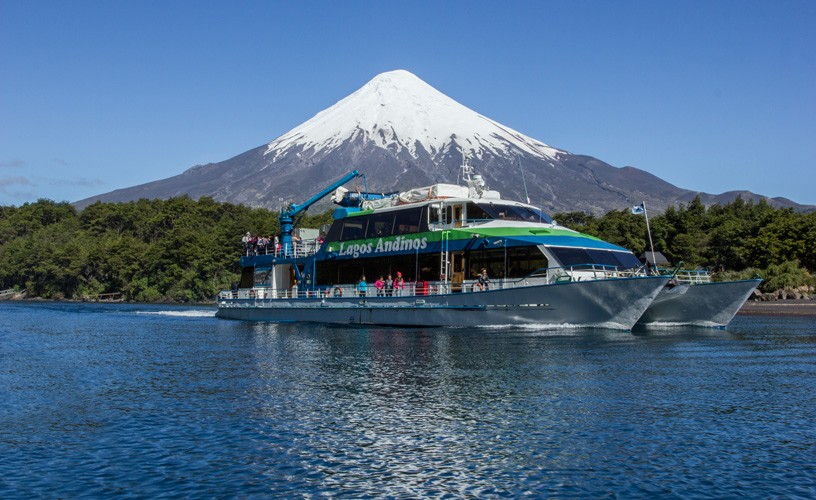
[380, 225]
[603, 257]
[335, 231]
[512, 212]
[435, 214]
[515, 262]
[571, 256]
[477, 213]
[354, 229]
[409, 221]
[580, 256]
[627, 260]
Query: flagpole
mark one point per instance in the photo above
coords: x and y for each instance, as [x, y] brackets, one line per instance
[649, 232]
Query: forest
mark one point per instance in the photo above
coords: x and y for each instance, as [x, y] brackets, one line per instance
[184, 250]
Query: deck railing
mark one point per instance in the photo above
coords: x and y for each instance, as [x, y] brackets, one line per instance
[580, 272]
[299, 249]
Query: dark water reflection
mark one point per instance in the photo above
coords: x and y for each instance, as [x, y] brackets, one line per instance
[160, 401]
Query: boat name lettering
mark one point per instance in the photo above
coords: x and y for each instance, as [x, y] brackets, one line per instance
[398, 244]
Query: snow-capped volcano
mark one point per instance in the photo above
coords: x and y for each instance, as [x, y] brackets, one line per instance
[402, 133]
[396, 111]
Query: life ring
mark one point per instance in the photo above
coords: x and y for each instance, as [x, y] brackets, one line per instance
[338, 292]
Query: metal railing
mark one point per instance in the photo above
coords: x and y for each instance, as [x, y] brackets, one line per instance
[580, 272]
[299, 249]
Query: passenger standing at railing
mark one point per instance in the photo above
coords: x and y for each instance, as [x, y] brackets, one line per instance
[277, 245]
[245, 240]
[295, 244]
[380, 286]
[389, 286]
[399, 284]
[362, 287]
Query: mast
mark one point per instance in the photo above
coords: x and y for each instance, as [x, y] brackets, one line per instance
[649, 232]
[523, 180]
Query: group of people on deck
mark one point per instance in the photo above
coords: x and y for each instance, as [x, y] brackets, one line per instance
[384, 287]
[263, 245]
[260, 245]
[389, 287]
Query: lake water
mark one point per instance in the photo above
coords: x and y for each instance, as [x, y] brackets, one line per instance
[146, 401]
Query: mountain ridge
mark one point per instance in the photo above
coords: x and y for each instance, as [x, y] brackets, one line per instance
[402, 133]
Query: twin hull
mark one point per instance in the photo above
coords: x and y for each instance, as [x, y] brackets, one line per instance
[700, 304]
[613, 303]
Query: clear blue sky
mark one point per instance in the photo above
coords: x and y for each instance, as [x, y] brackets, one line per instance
[708, 95]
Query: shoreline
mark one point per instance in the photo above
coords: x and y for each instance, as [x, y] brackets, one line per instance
[793, 307]
[787, 307]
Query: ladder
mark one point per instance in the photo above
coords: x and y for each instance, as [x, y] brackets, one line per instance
[444, 258]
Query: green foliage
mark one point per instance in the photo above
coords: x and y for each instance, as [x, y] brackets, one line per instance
[787, 275]
[150, 250]
[736, 239]
[187, 250]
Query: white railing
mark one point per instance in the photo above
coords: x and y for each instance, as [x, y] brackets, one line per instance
[543, 276]
[302, 249]
[693, 276]
[687, 276]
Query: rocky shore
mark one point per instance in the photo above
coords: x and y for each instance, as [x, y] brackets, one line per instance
[790, 307]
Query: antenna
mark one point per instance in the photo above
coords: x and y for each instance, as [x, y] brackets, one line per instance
[523, 180]
[475, 182]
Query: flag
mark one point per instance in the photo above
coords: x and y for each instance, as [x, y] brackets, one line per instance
[638, 209]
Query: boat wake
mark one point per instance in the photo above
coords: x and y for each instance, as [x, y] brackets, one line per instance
[196, 313]
[536, 326]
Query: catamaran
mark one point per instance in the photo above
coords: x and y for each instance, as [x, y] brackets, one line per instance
[443, 240]
[691, 298]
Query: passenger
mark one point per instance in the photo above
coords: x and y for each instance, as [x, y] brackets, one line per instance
[296, 241]
[399, 284]
[362, 287]
[380, 286]
[277, 245]
[245, 240]
[389, 286]
[484, 281]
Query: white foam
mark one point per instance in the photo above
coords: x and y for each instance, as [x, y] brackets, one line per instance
[208, 313]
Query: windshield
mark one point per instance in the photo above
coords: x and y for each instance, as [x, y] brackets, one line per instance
[569, 257]
[506, 212]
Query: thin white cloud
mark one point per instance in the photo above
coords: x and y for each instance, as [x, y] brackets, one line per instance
[10, 187]
[76, 181]
[12, 181]
[15, 163]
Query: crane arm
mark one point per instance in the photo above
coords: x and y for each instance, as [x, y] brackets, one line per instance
[287, 215]
[296, 208]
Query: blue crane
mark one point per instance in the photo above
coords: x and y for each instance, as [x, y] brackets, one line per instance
[287, 215]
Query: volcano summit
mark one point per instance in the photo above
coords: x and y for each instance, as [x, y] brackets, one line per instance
[403, 133]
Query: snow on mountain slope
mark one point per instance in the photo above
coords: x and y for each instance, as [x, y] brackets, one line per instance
[402, 133]
[398, 110]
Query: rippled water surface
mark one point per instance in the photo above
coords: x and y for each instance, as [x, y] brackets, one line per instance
[146, 401]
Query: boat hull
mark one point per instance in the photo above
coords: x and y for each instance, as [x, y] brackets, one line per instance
[701, 304]
[613, 303]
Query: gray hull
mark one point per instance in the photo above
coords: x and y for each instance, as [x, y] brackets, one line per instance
[613, 303]
[703, 304]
